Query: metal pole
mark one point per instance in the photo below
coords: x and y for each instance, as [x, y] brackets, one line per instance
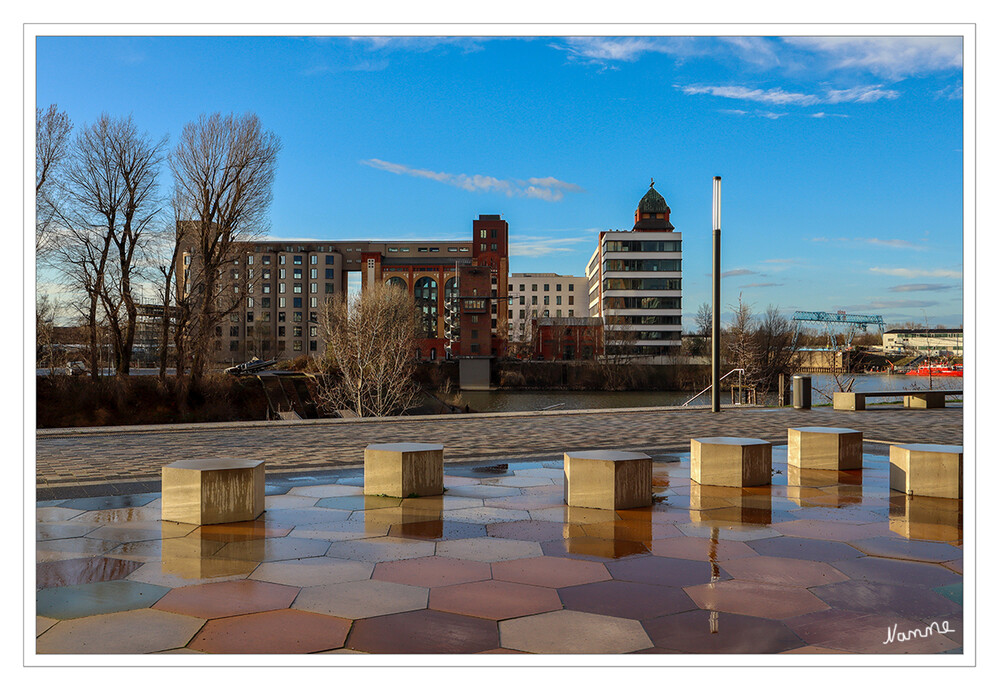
[715, 294]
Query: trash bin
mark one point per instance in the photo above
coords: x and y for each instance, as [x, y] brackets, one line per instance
[801, 392]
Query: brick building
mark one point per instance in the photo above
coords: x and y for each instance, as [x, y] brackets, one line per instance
[460, 289]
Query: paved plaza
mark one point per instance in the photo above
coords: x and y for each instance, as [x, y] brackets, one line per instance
[818, 562]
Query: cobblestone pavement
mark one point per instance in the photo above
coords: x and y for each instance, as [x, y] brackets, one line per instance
[66, 457]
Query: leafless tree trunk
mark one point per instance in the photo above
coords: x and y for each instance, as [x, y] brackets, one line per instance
[368, 363]
[52, 131]
[223, 170]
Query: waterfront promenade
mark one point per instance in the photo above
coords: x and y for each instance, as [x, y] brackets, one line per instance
[111, 456]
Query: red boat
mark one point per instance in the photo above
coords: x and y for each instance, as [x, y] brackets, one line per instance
[937, 370]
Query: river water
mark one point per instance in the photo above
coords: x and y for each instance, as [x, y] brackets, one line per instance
[520, 401]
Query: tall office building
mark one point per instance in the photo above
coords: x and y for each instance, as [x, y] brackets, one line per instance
[634, 281]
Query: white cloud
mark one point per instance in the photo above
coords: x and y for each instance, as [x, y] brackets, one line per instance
[778, 96]
[760, 285]
[895, 244]
[544, 188]
[893, 57]
[921, 287]
[628, 48]
[917, 273]
[541, 246]
[827, 115]
[738, 272]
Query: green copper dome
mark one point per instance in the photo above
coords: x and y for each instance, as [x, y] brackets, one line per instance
[652, 202]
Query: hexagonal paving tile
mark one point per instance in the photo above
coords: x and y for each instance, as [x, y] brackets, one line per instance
[594, 548]
[865, 633]
[522, 481]
[291, 501]
[78, 571]
[56, 514]
[438, 530]
[675, 572]
[432, 571]
[220, 599]
[78, 601]
[528, 530]
[42, 624]
[810, 549]
[789, 572]
[272, 632]
[701, 549]
[424, 632]
[711, 632]
[548, 571]
[129, 632]
[894, 547]
[280, 549]
[488, 549]
[727, 530]
[341, 530]
[362, 599]
[181, 571]
[310, 572]
[486, 515]
[885, 599]
[359, 502]
[326, 490]
[482, 491]
[626, 599]
[62, 530]
[240, 531]
[380, 549]
[494, 599]
[755, 599]
[573, 632]
[894, 571]
[293, 517]
[118, 516]
[831, 530]
[81, 547]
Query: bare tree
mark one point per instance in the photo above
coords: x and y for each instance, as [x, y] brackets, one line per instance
[223, 170]
[703, 319]
[52, 132]
[775, 348]
[369, 362]
[111, 189]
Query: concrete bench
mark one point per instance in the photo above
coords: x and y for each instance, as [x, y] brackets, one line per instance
[607, 479]
[730, 461]
[212, 491]
[825, 448]
[925, 469]
[913, 399]
[403, 470]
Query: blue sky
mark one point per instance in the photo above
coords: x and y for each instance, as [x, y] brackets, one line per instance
[841, 158]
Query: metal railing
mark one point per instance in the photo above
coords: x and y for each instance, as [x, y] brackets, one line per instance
[741, 372]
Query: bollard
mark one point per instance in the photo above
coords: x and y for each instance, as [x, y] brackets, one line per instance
[801, 391]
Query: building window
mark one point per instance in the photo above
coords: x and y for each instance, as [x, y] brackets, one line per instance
[570, 297]
[314, 287]
[266, 316]
[297, 274]
[233, 345]
[329, 288]
[249, 302]
[425, 294]
[313, 331]
[313, 259]
[296, 331]
[558, 299]
[281, 288]
[522, 299]
[523, 314]
[493, 246]
[570, 312]
[475, 319]
[281, 318]
[534, 287]
[267, 288]
[266, 274]
[280, 346]
[297, 288]
[571, 286]
[546, 300]
[313, 317]
[298, 259]
[558, 312]
[546, 287]
[330, 260]
[313, 302]
[482, 234]
[313, 346]
[249, 317]
[297, 346]
[329, 274]
[281, 260]
[265, 302]
[297, 316]
[282, 302]
[281, 331]
[297, 302]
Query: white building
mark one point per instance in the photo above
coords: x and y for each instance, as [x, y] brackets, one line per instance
[933, 342]
[634, 281]
[544, 295]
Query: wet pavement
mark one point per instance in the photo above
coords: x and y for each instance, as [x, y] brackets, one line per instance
[817, 562]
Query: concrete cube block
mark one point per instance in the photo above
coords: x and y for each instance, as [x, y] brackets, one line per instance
[730, 461]
[607, 479]
[211, 491]
[925, 469]
[404, 469]
[825, 448]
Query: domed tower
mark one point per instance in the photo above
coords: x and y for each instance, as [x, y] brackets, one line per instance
[653, 212]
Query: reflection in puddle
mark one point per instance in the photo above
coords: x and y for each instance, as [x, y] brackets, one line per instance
[925, 517]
